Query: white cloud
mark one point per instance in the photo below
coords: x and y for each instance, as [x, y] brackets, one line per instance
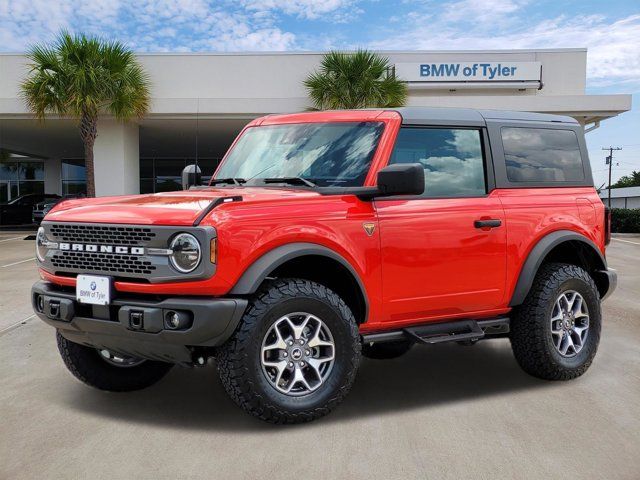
[466, 143]
[453, 175]
[309, 9]
[240, 38]
[480, 10]
[145, 25]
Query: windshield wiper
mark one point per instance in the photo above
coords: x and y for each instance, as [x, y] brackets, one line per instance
[290, 181]
[235, 181]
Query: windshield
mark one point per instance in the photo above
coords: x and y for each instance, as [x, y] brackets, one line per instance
[327, 154]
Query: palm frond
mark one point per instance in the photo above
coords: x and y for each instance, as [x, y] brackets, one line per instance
[85, 76]
[354, 80]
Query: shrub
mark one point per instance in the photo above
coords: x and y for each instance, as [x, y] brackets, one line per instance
[625, 220]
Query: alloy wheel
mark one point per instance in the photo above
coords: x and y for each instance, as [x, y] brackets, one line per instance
[569, 323]
[298, 353]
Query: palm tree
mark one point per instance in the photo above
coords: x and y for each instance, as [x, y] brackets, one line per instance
[355, 80]
[83, 77]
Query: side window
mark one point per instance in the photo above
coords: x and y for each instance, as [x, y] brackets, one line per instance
[541, 155]
[452, 158]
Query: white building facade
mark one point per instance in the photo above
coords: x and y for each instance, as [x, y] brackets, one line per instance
[201, 101]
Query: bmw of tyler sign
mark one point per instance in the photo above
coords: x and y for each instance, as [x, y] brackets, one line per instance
[469, 72]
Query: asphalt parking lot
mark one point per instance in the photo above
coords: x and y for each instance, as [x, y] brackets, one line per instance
[439, 412]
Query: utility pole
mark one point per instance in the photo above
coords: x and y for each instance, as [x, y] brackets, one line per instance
[609, 161]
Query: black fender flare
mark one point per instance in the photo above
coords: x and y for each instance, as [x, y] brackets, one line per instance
[253, 276]
[539, 253]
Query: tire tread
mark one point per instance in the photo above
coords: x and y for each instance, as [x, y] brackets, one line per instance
[232, 357]
[528, 330]
[84, 364]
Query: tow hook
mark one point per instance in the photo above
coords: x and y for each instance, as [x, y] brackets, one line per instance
[54, 309]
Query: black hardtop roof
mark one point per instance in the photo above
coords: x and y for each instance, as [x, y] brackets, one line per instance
[472, 117]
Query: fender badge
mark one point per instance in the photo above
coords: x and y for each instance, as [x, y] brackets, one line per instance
[369, 227]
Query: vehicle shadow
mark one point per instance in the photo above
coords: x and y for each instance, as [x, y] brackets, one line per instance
[425, 377]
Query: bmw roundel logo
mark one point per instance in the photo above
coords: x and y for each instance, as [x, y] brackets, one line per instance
[93, 285]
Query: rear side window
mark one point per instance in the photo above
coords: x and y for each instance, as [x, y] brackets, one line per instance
[452, 159]
[542, 155]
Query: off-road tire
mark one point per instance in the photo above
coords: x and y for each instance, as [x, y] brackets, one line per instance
[87, 366]
[239, 363]
[386, 350]
[530, 334]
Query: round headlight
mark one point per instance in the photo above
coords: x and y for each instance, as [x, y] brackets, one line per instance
[186, 252]
[41, 244]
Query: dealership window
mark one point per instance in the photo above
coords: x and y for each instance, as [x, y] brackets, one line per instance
[74, 176]
[20, 175]
[542, 155]
[452, 159]
[164, 174]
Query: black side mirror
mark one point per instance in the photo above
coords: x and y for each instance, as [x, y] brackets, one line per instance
[191, 176]
[401, 179]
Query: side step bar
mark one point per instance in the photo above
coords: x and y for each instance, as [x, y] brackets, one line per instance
[456, 331]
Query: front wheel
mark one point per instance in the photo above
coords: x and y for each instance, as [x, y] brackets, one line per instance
[295, 354]
[107, 370]
[556, 331]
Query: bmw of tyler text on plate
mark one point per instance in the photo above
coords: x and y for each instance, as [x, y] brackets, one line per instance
[93, 289]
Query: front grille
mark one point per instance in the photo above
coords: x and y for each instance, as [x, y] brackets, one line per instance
[101, 262]
[84, 252]
[101, 234]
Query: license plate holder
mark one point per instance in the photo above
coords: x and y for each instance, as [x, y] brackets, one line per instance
[94, 289]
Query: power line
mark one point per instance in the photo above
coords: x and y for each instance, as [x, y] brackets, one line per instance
[609, 161]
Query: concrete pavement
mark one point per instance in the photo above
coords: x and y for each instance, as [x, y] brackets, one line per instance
[439, 412]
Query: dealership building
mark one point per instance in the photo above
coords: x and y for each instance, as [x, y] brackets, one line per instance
[201, 101]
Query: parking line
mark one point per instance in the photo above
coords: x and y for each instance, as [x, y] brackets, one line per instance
[626, 241]
[17, 263]
[15, 325]
[14, 238]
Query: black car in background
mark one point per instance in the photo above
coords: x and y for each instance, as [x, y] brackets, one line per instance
[19, 210]
[42, 208]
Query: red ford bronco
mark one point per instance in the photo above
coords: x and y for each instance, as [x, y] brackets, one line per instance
[326, 236]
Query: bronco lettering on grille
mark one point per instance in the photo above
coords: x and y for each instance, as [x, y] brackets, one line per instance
[83, 247]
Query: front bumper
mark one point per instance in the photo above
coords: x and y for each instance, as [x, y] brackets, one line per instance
[212, 321]
[610, 278]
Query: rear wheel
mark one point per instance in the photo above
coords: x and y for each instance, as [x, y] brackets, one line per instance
[556, 331]
[295, 354]
[110, 371]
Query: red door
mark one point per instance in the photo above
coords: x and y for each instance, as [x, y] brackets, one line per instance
[436, 262]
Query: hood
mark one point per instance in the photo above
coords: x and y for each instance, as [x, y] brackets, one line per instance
[171, 208]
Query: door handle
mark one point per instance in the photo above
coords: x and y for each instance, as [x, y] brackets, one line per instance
[490, 223]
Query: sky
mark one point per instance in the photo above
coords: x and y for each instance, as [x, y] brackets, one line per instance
[609, 30]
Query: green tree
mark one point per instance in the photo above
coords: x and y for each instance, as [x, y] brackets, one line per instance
[83, 77]
[631, 180]
[355, 80]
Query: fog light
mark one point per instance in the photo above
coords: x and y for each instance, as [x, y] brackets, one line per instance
[176, 320]
[173, 320]
[40, 303]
